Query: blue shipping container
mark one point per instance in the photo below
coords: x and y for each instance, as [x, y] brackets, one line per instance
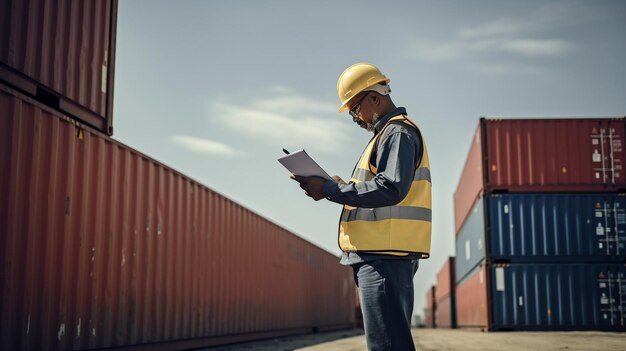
[558, 297]
[545, 227]
[573, 227]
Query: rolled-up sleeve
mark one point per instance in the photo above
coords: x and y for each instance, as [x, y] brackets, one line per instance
[396, 158]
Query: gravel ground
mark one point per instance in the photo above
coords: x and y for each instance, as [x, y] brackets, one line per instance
[447, 340]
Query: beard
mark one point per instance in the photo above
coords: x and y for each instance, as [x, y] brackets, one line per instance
[365, 125]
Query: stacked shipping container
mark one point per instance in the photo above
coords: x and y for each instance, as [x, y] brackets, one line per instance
[102, 246]
[62, 53]
[542, 227]
[445, 296]
[431, 308]
[537, 199]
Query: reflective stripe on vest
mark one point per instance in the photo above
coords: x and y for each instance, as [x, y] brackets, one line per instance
[399, 229]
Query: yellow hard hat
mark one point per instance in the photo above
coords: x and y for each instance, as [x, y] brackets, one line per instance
[357, 78]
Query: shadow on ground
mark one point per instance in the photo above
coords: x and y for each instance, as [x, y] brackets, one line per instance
[288, 343]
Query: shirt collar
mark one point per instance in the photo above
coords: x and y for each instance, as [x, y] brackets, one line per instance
[378, 126]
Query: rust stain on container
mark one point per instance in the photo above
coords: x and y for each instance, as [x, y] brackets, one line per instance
[102, 246]
[62, 53]
[526, 155]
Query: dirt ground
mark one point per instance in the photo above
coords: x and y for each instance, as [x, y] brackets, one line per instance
[447, 340]
[453, 340]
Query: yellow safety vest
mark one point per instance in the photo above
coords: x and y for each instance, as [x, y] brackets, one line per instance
[399, 229]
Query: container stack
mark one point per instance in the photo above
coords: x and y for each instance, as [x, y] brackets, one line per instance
[431, 308]
[102, 246]
[445, 296]
[540, 219]
[62, 54]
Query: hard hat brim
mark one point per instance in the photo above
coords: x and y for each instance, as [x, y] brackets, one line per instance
[382, 90]
[344, 107]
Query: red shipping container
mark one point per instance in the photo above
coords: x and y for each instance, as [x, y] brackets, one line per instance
[63, 54]
[471, 181]
[444, 315]
[431, 307]
[471, 300]
[430, 297]
[430, 318]
[543, 155]
[445, 280]
[102, 246]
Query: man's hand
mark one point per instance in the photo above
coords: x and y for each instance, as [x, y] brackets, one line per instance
[338, 180]
[313, 186]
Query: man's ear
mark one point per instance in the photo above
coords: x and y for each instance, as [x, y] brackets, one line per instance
[375, 99]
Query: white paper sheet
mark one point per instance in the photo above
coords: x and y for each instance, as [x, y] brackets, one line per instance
[301, 164]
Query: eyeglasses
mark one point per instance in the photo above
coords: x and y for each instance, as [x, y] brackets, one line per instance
[354, 111]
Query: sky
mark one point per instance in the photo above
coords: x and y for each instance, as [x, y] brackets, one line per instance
[215, 89]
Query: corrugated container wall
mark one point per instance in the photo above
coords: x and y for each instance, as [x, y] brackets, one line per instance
[472, 308]
[544, 227]
[540, 155]
[471, 181]
[445, 296]
[62, 53]
[545, 297]
[445, 280]
[557, 227]
[445, 315]
[470, 242]
[431, 308]
[558, 297]
[102, 246]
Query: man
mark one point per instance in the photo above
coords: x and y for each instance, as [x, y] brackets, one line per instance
[385, 225]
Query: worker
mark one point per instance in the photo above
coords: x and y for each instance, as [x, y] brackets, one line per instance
[385, 225]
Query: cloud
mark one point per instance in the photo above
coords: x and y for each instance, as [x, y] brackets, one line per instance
[286, 120]
[292, 103]
[280, 89]
[456, 50]
[204, 146]
[530, 47]
[430, 51]
[506, 68]
[496, 28]
[500, 36]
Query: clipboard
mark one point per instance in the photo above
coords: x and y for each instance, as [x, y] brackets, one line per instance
[301, 164]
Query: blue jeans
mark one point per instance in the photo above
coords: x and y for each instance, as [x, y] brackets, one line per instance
[386, 296]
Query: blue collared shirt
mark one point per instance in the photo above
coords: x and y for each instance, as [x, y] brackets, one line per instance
[399, 151]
